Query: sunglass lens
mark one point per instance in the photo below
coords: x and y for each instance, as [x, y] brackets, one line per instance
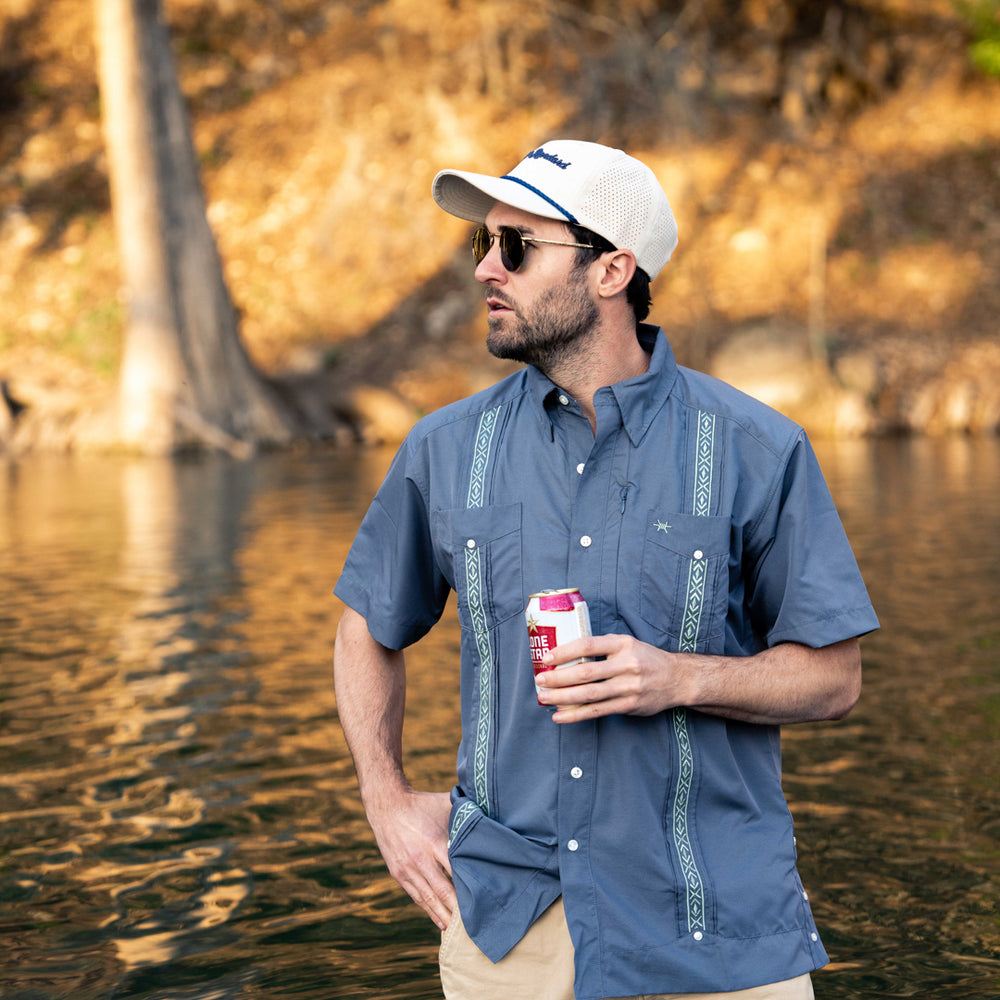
[511, 249]
[481, 243]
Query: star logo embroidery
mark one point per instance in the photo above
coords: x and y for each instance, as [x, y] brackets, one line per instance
[663, 526]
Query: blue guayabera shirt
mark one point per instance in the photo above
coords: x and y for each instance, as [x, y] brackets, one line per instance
[696, 519]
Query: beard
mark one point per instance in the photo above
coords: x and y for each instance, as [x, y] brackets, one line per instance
[558, 324]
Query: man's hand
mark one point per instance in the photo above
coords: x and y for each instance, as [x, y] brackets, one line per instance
[787, 683]
[634, 678]
[411, 830]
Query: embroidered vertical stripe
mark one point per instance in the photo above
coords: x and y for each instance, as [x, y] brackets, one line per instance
[694, 603]
[481, 457]
[463, 813]
[484, 650]
[476, 590]
[693, 888]
[704, 464]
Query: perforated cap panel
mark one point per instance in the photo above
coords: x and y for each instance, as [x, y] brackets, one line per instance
[627, 206]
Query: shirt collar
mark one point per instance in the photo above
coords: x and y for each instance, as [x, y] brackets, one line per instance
[639, 399]
[642, 397]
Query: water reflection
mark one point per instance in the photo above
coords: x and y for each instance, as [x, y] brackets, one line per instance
[909, 868]
[178, 815]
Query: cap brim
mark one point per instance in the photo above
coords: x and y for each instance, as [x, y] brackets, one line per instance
[471, 196]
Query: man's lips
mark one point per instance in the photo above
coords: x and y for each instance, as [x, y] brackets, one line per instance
[497, 306]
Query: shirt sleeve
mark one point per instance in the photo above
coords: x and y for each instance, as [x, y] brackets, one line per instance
[806, 586]
[391, 577]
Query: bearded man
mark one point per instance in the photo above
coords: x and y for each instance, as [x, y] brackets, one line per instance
[627, 837]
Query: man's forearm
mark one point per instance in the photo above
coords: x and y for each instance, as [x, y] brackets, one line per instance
[785, 684]
[788, 683]
[410, 827]
[370, 685]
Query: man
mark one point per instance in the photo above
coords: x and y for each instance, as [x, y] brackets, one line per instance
[629, 837]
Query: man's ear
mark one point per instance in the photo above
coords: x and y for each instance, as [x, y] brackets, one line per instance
[617, 268]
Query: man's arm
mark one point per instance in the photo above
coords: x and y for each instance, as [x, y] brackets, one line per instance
[787, 683]
[410, 827]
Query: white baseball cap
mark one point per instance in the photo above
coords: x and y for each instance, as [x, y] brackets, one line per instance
[602, 189]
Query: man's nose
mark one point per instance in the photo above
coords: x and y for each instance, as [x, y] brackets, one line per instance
[490, 267]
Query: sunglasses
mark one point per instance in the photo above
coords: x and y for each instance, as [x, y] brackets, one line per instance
[511, 245]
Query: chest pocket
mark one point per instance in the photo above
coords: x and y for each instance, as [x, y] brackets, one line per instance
[684, 589]
[485, 545]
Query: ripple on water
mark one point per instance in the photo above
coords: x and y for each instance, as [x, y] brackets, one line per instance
[178, 814]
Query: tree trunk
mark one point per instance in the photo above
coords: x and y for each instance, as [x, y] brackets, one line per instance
[185, 378]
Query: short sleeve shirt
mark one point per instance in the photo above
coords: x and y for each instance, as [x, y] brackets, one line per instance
[695, 519]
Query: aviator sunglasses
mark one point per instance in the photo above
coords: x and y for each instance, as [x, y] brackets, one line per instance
[511, 245]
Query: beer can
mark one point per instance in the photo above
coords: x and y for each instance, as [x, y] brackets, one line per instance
[554, 617]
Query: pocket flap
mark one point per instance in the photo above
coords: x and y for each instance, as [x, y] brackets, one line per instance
[686, 534]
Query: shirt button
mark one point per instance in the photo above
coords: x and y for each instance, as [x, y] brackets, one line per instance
[698, 554]
[577, 772]
[471, 543]
[573, 845]
[564, 399]
[814, 936]
[586, 541]
[698, 935]
[579, 468]
[805, 895]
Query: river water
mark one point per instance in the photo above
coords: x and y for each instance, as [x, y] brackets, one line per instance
[178, 815]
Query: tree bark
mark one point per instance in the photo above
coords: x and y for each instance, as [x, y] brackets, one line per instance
[185, 377]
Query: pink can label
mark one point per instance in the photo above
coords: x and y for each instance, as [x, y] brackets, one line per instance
[554, 617]
[560, 600]
[541, 638]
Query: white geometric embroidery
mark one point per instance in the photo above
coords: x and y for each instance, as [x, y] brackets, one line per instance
[481, 457]
[694, 603]
[704, 449]
[682, 839]
[475, 588]
[462, 814]
[477, 612]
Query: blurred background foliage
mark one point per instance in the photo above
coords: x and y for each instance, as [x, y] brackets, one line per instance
[983, 17]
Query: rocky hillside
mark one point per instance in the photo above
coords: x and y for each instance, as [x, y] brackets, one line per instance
[834, 168]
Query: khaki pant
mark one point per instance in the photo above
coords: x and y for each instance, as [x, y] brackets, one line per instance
[540, 967]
